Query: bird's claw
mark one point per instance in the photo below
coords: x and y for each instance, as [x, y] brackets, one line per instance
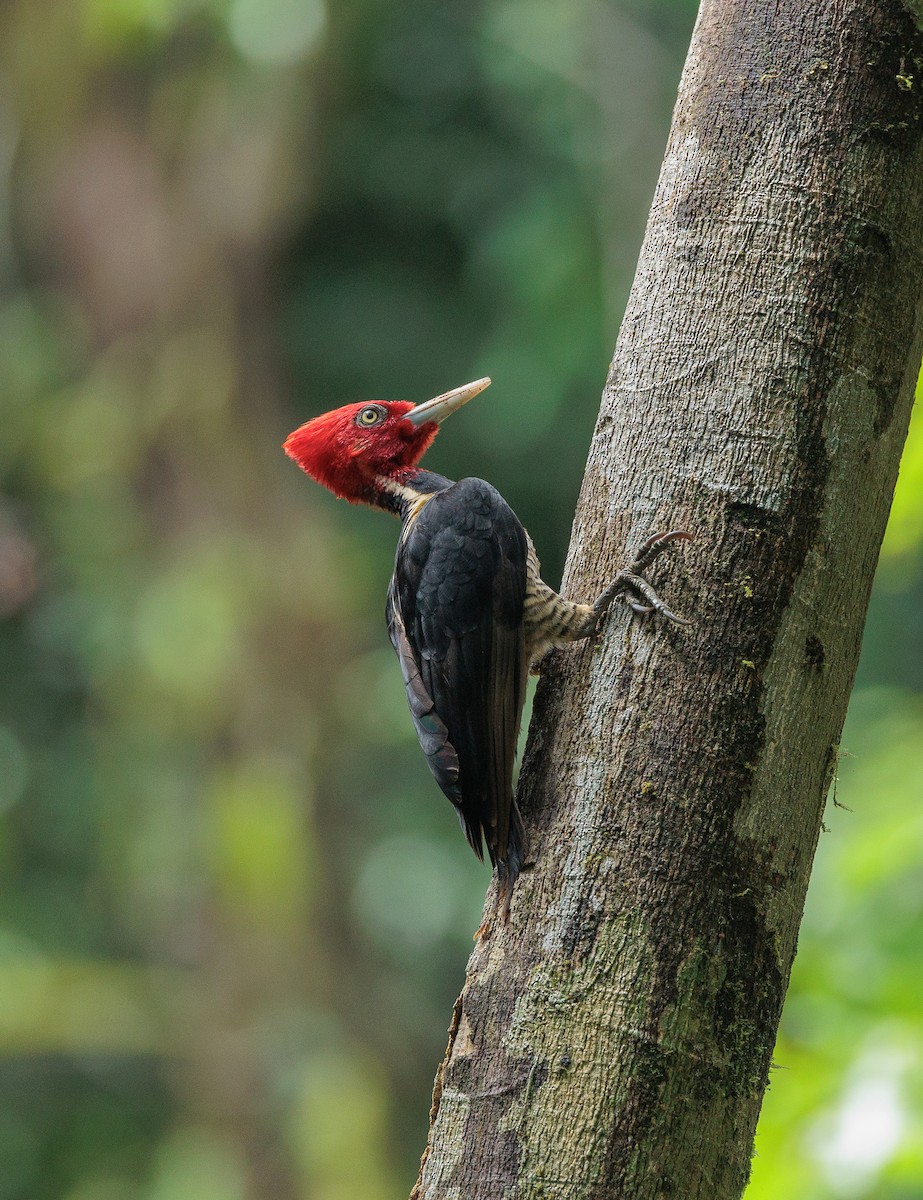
[630, 581]
[655, 546]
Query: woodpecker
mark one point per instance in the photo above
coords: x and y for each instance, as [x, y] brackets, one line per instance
[467, 611]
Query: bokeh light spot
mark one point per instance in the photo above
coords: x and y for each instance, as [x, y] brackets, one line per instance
[409, 890]
[276, 31]
[186, 635]
[14, 768]
[199, 1163]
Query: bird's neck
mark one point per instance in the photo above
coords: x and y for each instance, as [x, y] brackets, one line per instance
[402, 493]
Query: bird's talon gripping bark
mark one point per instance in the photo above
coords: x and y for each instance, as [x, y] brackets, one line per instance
[639, 594]
[655, 546]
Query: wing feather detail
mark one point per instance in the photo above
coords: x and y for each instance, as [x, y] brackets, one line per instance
[431, 731]
[455, 617]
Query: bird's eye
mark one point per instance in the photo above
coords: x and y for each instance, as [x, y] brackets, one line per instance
[370, 415]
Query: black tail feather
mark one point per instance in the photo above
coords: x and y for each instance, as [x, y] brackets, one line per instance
[510, 866]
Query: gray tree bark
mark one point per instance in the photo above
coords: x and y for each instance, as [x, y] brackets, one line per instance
[614, 1039]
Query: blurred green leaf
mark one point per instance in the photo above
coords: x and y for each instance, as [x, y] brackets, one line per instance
[260, 854]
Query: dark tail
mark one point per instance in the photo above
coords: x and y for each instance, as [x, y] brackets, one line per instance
[509, 868]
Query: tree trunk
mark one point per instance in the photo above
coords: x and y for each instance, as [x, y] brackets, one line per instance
[614, 1039]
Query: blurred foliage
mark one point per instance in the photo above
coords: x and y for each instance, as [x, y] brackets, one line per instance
[233, 913]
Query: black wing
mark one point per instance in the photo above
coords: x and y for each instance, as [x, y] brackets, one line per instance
[455, 616]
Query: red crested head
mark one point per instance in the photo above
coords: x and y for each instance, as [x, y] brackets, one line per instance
[356, 449]
[348, 449]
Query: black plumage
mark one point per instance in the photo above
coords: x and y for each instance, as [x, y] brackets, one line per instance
[468, 610]
[456, 619]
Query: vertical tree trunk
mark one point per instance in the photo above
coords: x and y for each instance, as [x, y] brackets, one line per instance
[614, 1039]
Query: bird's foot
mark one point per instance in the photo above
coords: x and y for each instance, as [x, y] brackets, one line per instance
[631, 583]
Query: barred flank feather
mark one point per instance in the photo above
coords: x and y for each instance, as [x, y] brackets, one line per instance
[549, 620]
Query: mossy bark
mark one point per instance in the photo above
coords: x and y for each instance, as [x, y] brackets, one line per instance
[614, 1040]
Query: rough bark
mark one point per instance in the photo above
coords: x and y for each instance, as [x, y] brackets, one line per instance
[614, 1039]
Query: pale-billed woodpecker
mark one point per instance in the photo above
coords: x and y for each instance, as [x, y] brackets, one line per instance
[468, 612]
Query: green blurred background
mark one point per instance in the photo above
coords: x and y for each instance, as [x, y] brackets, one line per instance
[234, 909]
